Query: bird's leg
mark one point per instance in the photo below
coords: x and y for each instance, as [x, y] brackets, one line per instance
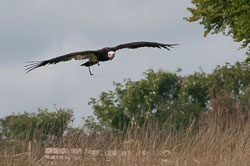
[90, 71]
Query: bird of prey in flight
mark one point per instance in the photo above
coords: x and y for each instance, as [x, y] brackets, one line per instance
[95, 56]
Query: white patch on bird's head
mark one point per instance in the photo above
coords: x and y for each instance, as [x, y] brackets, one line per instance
[111, 55]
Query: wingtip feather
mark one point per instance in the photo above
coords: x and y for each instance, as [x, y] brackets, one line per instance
[33, 65]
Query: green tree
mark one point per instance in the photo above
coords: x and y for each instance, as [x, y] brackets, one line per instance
[232, 79]
[40, 126]
[167, 98]
[156, 98]
[231, 17]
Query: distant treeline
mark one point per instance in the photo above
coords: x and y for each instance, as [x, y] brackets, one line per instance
[162, 98]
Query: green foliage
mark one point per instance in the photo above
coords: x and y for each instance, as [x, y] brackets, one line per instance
[167, 98]
[195, 88]
[231, 85]
[91, 126]
[231, 17]
[156, 98]
[42, 125]
[244, 100]
[231, 79]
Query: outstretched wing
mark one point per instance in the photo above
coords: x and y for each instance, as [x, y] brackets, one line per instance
[92, 55]
[135, 45]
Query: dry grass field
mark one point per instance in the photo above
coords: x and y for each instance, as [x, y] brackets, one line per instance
[221, 138]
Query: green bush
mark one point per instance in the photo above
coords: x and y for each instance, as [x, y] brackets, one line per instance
[43, 125]
[168, 98]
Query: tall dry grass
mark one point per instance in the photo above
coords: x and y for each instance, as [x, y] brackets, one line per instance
[221, 138]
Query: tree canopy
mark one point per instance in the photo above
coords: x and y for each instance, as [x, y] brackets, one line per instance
[168, 98]
[231, 17]
[42, 125]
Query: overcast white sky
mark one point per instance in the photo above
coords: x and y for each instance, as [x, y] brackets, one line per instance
[42, 29]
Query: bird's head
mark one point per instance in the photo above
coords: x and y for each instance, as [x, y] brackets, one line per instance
[111, 55]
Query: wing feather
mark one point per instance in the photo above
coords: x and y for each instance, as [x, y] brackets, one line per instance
[135, 45]
[91, 55]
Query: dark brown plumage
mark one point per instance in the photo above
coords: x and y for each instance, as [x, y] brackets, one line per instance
[95, 56]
